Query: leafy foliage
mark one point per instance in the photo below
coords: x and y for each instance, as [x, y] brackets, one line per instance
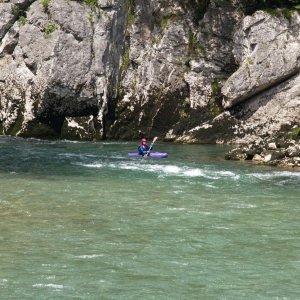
[91, 3]
[45, 4]
[194, 46]
[125, 60]
[15, 9]
[131, 12]
[269, 5]
[198, 7]
[295, 133]
[50, 28]
[214, 104]
[22, 20]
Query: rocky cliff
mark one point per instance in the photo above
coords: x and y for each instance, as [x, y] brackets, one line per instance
[189, 71]
[59, 60]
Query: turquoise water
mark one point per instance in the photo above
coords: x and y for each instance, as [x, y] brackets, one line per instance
[85, 221]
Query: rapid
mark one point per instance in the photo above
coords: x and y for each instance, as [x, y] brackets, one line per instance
[83, 220]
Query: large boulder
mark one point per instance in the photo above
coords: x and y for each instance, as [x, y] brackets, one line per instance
[267, 49]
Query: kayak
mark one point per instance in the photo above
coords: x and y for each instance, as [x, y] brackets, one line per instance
[152, 154]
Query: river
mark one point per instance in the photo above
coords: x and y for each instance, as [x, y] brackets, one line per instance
[82, 220]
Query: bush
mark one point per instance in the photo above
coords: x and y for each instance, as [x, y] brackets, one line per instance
[50, 28]
[91, 3]
[15, 9]
[270, 5]
[45, 4]
[22, 20]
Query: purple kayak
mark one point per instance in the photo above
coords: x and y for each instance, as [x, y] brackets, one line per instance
[152, 154]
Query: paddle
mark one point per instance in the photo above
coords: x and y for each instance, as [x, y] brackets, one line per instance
[151, 145]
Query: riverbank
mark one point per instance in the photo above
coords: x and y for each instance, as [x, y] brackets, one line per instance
[282, 150]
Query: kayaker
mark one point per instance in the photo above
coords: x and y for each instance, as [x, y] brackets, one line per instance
[143, 148]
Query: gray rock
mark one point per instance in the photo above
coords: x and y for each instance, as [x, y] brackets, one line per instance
[150, 68]
[258, 158]
[293, 151]
[62, 64]
[268, 50]
[272, 146]
[79, 128]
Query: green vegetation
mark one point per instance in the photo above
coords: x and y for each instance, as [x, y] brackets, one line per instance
[133, 86]
[19, 13]
[166, 20]
[198, 7]
[295, 133]
[184, 108]
[249, 60]
[130, 6]
[17, 125]
[125, 60]
[157, 39]
[213, 105]
[8, 25]
[194, 49]
[91, 3]
[273, 7]
[215, 88]
[287, 12]
[45, 4]
[194, 46]
[279, 12]
[22, 20]
[50, 28]
[277, 3]
[15, 9]
[91, 16]
[131, 12]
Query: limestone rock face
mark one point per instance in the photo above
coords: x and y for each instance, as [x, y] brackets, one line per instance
[174, 71]
[268, 51]
[266, 114]
[152, 87]
[79, 128]
[262, 95]
[187, 71]
[59, 63]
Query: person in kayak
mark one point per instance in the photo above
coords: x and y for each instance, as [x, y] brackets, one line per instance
[143, 148]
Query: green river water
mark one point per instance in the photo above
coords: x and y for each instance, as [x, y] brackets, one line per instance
[85, 221]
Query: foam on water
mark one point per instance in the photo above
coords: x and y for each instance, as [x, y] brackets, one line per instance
[73, 142]
[276, 174]
[89, 256]
[91, 165]
[48, 285]
[80, 155]
[163, 169]
[243, 205]
[85, 220]
[115, 143]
